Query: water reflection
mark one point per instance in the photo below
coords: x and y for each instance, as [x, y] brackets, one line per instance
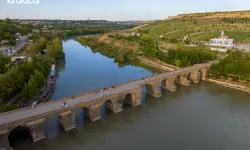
[60, 66]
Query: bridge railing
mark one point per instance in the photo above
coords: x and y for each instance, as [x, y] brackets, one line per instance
[94, 91]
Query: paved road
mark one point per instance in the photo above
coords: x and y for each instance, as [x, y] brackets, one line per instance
[54, 106]
[12, 50]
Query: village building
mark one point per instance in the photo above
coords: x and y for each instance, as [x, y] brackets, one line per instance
[223, 41]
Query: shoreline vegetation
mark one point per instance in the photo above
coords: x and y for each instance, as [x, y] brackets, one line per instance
[31, 73]
[129, 56]
[127, 51]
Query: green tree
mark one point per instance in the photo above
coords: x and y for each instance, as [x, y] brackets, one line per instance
[30, 89]
[39, 78]
[55, 49]
[178, 62]
[4, 63]
[8, 20]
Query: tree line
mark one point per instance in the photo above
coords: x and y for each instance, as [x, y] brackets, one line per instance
[5, 63]
[184, 56]
[120, 55]
[28, 77]
[82, 32]
[236, 20]
[180, 57]
[8, 29]
[236, 65]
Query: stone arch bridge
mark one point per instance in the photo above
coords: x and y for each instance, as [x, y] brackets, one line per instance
[91, 102]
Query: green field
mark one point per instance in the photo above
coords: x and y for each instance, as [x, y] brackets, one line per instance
[199, 30]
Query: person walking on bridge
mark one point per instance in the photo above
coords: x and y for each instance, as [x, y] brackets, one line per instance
[64, 104]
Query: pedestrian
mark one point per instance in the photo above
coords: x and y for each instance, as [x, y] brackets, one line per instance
[62, 104]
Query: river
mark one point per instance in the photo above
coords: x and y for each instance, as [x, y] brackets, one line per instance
[201, 117]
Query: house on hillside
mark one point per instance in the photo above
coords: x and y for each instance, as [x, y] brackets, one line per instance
[223, 41]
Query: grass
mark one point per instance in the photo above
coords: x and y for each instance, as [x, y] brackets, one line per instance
[173, 33]
[199, 30]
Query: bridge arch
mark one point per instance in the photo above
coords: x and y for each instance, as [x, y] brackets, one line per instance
[188, 74]
[106, 105]
[86, 111]
[19, 135]
[129, 98]
[133, 98]
[194, 76]
[169, 84]
[164, 83]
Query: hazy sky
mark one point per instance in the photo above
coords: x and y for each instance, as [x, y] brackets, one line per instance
[115, 9]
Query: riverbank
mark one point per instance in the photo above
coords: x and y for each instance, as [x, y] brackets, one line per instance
[231, 85]
[124, 55]
[114, 51]
[155, 63]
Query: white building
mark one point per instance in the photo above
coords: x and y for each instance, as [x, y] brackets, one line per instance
[222, 41]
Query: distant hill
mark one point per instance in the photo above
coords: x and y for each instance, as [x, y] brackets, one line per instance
[200, 27]
[212, 15]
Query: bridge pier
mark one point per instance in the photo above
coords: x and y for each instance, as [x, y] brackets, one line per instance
[67, 120]
[4, 141]
[204, 74]
[168, 86]
[115, 106]
[36, 129]
[184, 81]
[153, 90]
[93, 113]
[195, 76]
[136, 97]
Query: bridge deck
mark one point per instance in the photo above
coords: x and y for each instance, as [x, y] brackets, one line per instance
[56, 106]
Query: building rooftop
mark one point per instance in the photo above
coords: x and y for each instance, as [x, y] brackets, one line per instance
[223, 36]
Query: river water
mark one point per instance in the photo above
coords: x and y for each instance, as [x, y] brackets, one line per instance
[201, 117]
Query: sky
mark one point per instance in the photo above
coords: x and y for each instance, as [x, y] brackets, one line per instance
[114, 9]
